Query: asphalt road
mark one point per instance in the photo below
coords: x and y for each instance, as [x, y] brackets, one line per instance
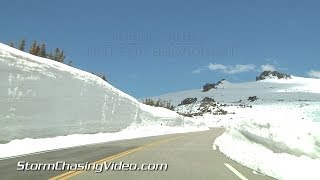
[188, 155]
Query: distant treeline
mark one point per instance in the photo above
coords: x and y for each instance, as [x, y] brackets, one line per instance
[39, 49]
[158, 103]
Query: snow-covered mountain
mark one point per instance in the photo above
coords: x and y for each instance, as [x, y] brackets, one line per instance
[276, 131]
[269, 90]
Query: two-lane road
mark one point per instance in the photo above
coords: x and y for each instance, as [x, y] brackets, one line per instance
[188, 155]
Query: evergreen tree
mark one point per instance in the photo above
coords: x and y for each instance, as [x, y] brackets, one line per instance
[42, 51]
[22, 45]
[11, 44]
[104, 78]
[56, 54]
[50, 56]
[157, 103]
[61, 57]
[37, 50]
[33, 48]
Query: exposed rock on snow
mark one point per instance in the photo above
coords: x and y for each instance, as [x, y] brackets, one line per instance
[207, 100]
[208, 86]
[252, 98]
[207, 105]
[272, 75]
[278, 135]
[188, 101]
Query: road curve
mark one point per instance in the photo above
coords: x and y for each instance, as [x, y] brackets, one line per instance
[188, 155]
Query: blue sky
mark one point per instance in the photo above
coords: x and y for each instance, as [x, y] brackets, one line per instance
[149, 48]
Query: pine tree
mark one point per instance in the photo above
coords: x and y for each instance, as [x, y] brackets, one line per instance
[56, 54]
[104, 78]
[50, 56]
[33, 48]
[61, 57]
[157, 103]
[42, 51]
[22, 45]
[37, 50]
[11, 44]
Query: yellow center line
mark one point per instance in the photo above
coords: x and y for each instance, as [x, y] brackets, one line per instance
[70, 174]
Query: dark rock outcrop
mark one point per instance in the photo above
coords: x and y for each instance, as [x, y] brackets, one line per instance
[266, 74]
[207, 107]
[220, 82]
[252, 98]
[207, 100]
[208, 86]
[188, 101]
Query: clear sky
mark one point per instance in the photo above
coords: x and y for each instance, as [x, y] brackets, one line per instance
[148, 47]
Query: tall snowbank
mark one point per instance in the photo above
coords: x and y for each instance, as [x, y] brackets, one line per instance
[278, 140]
[41, 98]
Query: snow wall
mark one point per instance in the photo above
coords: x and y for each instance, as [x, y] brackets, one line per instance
[42, 98]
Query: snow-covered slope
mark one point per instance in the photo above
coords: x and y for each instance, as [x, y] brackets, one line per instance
[41, 98]
[270, 90]
[278, 134]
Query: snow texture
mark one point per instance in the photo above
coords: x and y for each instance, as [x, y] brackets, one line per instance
[42, 98]
[278, 136]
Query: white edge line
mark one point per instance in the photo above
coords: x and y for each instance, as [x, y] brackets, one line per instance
[235, 171]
